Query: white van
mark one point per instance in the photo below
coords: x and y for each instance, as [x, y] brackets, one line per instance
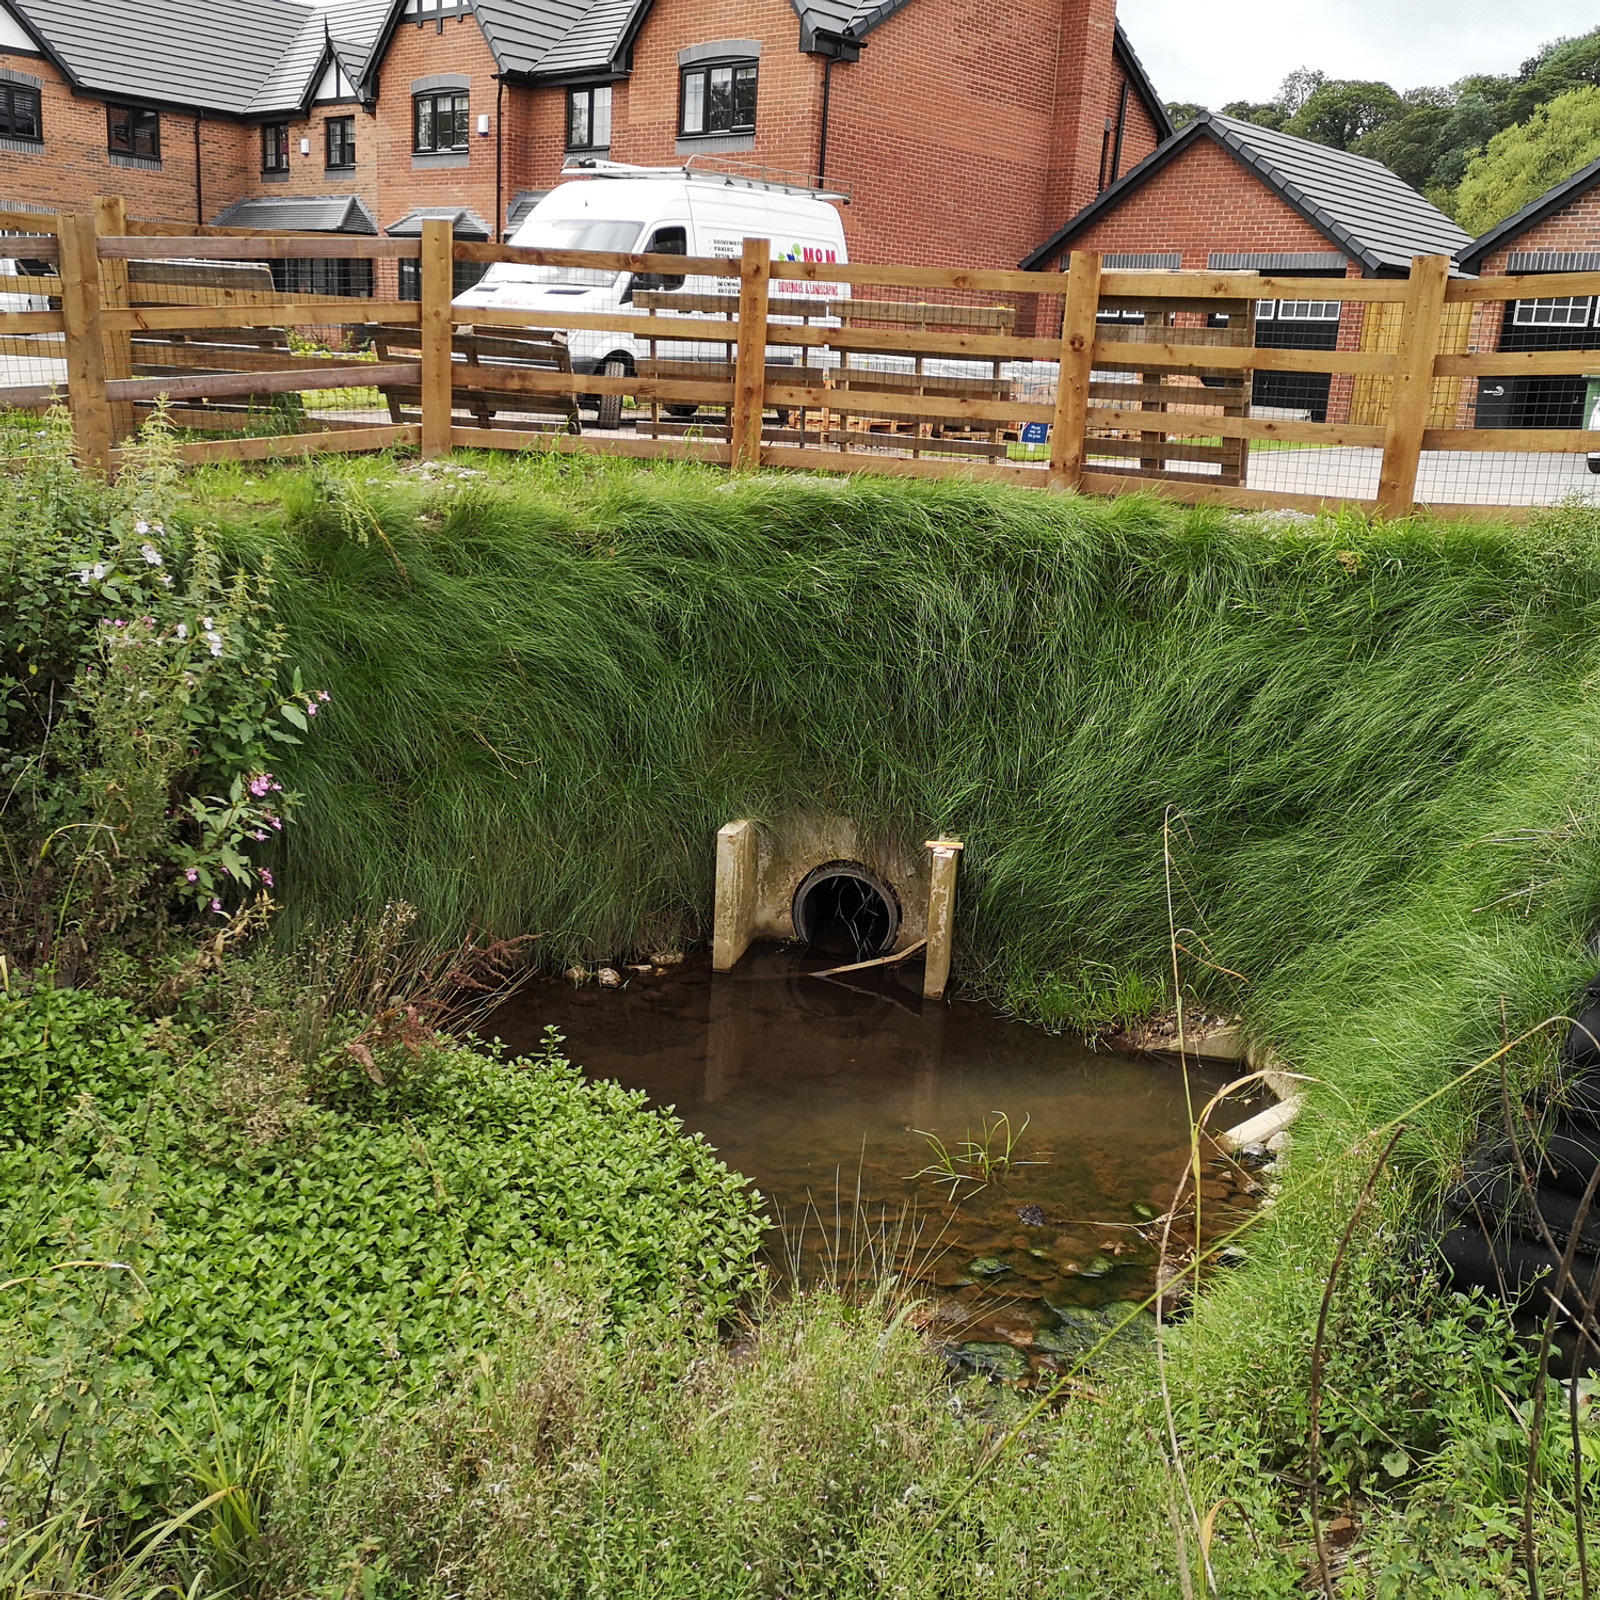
[11, 267]
[665, 211]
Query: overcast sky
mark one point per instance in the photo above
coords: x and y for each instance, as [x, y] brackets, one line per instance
[1240, 49]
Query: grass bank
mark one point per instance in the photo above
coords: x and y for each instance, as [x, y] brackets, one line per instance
[1347, 769]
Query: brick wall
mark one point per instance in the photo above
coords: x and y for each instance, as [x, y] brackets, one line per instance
[966, 134]
[74, 165]
[1201, 201]
[1576, 226]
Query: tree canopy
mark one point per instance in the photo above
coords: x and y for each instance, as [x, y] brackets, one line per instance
[1474, 147]
[1526, 159]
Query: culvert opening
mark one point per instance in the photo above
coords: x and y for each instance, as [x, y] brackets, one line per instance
[842, 909]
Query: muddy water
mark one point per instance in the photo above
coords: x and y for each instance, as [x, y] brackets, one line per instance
[824, 1094]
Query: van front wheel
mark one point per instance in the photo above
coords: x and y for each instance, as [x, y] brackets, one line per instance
[608, 407]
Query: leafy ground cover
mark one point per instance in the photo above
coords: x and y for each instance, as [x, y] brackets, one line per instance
[1336, 776]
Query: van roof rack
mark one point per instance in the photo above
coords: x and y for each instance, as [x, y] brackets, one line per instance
[715, 170]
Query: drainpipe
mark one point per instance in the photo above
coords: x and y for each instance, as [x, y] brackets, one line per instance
[499, 151]
[1122, 117]
[199, 183]
[1105, 145]
[841, 47]
[822, 141]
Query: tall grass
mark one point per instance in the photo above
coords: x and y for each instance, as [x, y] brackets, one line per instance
[1375, 743]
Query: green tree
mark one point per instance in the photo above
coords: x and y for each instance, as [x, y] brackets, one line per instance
[1263, 113]
[1523, 161]
[1183, 111]
[1343, 111]
[1560, 67]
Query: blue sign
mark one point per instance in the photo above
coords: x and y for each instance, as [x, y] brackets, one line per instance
[1035, 432]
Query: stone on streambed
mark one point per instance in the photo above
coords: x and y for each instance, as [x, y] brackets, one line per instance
[1083, 1327]
[988, 1267]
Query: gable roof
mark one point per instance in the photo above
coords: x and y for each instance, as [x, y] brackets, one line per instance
[1357, 204]
[554, 40]
[285, 213]
[238, 57]
[1550, 202]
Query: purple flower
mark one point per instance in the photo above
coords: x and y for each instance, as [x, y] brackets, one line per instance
[311, 708]
[192, 875]
[258, 836]
[266, 878]
[324, 696]
[216, 905]
[277, 822]
[260, 784]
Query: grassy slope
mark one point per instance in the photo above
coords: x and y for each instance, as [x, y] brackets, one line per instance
[550, 691]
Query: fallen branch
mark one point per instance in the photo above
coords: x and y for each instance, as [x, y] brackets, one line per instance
[877, 961]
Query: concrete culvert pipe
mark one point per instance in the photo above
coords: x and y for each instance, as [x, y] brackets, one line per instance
[842, 909]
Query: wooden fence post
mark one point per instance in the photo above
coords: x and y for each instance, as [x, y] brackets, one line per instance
[1413, 384]
[111, 220]
[1070, 430]
[750, 360]
[86, 368]
[438, 272]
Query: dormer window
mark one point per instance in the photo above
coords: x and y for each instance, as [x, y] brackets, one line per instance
[133, 131]
[718, 97]
[275, 147]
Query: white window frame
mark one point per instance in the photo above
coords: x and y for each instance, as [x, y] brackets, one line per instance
[1559, 311]
[1310, 310]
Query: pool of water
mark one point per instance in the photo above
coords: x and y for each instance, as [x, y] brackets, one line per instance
[829, 1095]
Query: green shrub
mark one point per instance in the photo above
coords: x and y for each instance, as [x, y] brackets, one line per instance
[373, 1251]
[144, 695]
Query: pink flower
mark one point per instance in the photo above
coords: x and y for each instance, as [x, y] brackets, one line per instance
[216, 905]
[324, 696]
[266, 878]
[277, 822]
[311, 708]
[192, 875]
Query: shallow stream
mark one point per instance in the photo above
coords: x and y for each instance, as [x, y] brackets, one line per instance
[828, 1095]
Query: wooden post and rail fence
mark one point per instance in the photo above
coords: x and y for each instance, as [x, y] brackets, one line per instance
[107, 325]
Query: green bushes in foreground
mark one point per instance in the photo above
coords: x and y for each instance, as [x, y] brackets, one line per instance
[175, 1278]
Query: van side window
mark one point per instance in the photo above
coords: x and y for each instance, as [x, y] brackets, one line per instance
[718, 97]
[668, 241]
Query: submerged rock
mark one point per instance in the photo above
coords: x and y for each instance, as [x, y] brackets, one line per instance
[1083, 1327]
[1032, 1215]
[988, 1267]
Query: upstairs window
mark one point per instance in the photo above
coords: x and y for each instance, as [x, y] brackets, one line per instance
[133, 131]
[19, 112]
[718, 97]
[439, 121]
[1566, 311]
[341, 141]
[589, 118]
[275, 147]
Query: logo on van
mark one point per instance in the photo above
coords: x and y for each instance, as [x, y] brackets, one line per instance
[807, 252]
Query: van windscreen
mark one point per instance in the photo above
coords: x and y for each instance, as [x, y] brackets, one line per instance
[576, 233]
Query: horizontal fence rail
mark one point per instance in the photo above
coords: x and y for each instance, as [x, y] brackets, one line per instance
[1232, 388]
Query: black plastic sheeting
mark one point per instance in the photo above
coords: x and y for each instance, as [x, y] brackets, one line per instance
[1498, 1235]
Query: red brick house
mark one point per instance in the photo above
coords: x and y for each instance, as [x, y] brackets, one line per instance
[1225, 195]
[959, 129]
[1558, 232]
